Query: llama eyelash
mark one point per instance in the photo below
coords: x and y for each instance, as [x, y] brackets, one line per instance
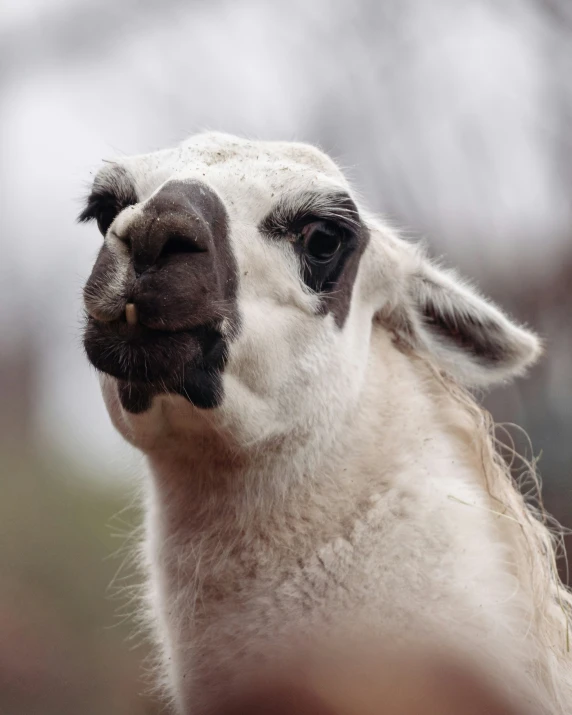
[293, 211]
[113, 190]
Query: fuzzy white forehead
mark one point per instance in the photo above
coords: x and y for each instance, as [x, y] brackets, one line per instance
[249, 175]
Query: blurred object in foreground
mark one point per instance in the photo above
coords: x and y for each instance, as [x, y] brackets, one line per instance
[380, 685]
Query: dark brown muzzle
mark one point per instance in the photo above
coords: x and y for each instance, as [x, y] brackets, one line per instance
[161, 299]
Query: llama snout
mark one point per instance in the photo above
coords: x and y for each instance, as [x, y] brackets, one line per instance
[162, 295]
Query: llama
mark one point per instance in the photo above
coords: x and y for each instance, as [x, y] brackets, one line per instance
[296, 375]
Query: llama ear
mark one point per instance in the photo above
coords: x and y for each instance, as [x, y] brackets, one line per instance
[469, 337]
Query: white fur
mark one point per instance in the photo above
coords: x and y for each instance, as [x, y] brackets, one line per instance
[346, 485]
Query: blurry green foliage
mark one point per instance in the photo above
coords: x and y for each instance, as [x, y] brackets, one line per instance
[67, 584]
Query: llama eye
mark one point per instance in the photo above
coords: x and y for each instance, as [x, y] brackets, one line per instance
[321, 240]
[105, 219]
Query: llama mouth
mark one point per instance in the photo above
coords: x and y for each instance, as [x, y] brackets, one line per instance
[148, 362]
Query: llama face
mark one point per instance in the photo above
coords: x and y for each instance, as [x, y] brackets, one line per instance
[252, 279]
[241, 259]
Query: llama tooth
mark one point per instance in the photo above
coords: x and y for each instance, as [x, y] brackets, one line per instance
[131, 314]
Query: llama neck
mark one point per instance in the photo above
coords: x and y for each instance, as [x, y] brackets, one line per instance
[221, 521]
[394, 434]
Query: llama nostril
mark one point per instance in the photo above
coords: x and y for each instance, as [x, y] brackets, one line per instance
[182, 243]
[131, 314]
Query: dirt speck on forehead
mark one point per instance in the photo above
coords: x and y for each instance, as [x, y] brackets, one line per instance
[221, 149]
[218, 156]
[271, 166]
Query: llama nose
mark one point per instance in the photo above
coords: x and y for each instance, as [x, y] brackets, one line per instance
[182, 266]
[173, 222]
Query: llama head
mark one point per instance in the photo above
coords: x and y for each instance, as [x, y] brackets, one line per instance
[256, 281]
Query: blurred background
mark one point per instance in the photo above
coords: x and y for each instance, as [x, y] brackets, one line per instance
[453, 118]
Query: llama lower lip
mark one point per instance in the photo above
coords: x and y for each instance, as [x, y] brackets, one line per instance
[135, 397]
[135, 354]
[202, 388]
